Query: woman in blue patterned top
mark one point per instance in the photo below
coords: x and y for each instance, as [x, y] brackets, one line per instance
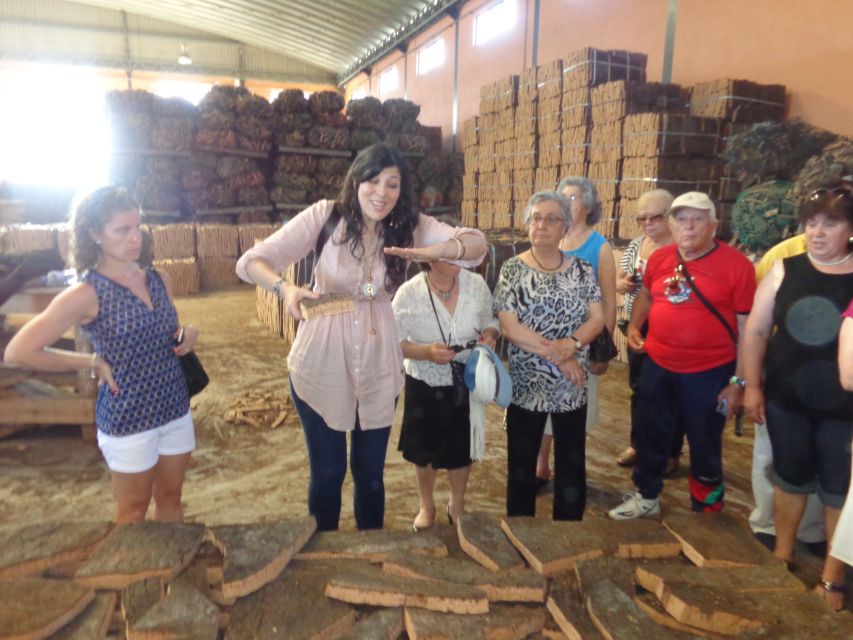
[549, 307]
[145, 428]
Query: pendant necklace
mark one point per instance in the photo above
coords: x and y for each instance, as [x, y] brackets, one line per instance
[444, 295]
[543, 267]
[369, 288]
[831, 263]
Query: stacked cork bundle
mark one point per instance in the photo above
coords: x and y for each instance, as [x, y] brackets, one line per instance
[498, 102]
[738, 103]
[666, 151]
[218, 246]
[174, 253]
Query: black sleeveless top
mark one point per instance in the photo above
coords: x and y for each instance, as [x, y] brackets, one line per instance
[801, 369]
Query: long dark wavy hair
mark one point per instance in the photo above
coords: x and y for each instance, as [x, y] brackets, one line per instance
[89, 214]
[397, 228]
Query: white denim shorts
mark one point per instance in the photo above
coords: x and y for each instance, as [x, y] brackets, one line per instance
[139, 452]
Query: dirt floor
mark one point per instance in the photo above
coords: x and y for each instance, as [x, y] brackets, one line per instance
[251, 474]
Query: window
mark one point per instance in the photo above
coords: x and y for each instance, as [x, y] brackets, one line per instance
[494, 21]
[189, 91]
[46, 141]
[358, 94]
[388, 81]
[431, 56]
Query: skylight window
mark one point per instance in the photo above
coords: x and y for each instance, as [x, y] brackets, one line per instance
[431, 56]
[388, 81]
[494, 21]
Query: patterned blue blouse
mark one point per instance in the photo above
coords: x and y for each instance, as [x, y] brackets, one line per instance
[137, 343]
[554, 305]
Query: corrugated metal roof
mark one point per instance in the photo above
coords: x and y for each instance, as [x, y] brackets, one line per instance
[326, 33]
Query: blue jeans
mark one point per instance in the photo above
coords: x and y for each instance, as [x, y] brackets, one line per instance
[666, 398]
[327, 456]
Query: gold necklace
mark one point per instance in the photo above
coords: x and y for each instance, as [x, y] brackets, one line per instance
[369, 288]
[444, 295]
[542, 266]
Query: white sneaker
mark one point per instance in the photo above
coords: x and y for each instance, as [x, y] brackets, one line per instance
[635, 506]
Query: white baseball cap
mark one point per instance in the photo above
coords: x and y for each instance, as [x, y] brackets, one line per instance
[694, 200]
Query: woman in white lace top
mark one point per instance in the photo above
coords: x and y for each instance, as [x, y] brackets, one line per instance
[441, 313]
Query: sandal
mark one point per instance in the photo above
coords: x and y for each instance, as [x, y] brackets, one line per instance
[627, 458]
[420, 527]
[826, 589]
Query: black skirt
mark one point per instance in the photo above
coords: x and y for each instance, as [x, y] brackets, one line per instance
[434, 432]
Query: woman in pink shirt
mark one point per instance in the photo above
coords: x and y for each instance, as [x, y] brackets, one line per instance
[346, 370]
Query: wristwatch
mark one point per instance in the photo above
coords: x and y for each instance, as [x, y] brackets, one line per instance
[276, 288]
[578, 343]
[738, 381]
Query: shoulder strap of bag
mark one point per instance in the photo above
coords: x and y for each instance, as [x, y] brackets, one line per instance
[704, 300]
[434, 310]
[325, 234]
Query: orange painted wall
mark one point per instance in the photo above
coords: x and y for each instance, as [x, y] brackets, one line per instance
[803, 45]
[807, 46]
[634, 25]
[433, 91]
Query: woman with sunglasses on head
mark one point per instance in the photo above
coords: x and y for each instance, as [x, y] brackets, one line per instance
[441, 314]
[145, 429]
[792, 377]
[583, 241]
[549, 307]
[346, 369]
[652, 208]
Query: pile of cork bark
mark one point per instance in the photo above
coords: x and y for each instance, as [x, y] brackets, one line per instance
[593, 114]
[694, 575]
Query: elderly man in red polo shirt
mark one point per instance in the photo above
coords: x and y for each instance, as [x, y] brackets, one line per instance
[696, 296]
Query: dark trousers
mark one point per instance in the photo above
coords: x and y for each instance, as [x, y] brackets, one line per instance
[663, 397]
[327, 456]
[524, 431]
[635, 367]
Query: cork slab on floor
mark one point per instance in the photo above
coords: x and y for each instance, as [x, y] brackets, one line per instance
[134, 552]
[617, 616]
[182, 613]
[504, 622]
[567, 609]
[94, 622]
[760, 578]
[385, 624]
[374, 545]
[35, 608]
[293, 606]
[372, 586]
[717, 540]
[31, 549]
[254, 554]
[481, 537]
[517, 585]
[729, 611]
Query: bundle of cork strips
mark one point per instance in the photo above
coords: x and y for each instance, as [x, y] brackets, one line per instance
[593, 114]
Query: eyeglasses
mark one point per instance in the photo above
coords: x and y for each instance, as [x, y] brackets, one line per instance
[673, 287]
[572, 197]
[838, 192]
[548, 221]
[651, 219]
